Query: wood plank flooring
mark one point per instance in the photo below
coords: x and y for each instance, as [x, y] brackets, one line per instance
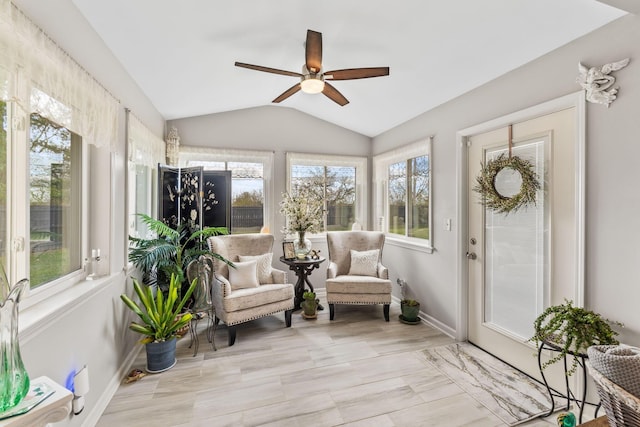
[357, 370]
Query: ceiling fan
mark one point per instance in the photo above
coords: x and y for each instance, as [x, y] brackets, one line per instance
[312, 78]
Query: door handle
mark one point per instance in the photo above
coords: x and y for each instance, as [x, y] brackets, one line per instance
[471, 255]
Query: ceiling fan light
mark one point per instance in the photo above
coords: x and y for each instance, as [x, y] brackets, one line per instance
[312, 85]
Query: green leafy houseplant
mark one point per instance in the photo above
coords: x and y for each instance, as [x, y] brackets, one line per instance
[309, 304]
[171, 251]
[159, 315]
[572, 330]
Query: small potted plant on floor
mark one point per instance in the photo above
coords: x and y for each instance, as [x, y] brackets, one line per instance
[160, 321]
[309, 305]
[571, 330]
[410, 309]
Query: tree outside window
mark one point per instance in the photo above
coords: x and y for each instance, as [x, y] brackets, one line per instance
[408, 198]
[54, 164]
[335, 186]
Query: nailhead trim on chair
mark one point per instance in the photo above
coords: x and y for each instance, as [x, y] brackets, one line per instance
[258, 317]
[358, 302]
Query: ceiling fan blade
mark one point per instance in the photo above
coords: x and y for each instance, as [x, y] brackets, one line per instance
[333, 94]
[287, 93]
[313, 51]
[267, 69]
[356, 73]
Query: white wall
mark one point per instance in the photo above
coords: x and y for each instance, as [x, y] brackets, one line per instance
[613, 199]
[88, 323]
[277, 129]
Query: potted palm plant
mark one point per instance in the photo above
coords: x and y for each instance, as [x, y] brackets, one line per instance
[170, 252]
[160, 322]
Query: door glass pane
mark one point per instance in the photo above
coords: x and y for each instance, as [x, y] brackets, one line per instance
[55, 188]
[517, 251]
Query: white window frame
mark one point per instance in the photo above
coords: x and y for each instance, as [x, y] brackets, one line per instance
[359, 163]
[192, 153]
[143, 149]
[19, 214]
[381, 163]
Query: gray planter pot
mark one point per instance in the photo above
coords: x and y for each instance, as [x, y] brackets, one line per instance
[410, 312]
[161, 356]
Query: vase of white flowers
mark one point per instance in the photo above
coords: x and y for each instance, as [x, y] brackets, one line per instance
[301, 245]
[303, 212]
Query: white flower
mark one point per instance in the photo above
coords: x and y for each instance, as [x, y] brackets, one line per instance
[302, 211]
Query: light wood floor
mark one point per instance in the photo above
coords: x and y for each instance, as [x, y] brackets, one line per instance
[357, 370]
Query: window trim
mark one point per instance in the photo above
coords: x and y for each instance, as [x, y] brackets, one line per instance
[188, 153]
[145, 149]
[360, 163]
[45, 291]
[381, 163]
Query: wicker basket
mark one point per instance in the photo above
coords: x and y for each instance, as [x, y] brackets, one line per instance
[622, 408]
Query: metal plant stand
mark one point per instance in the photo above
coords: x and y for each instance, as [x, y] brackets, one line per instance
[569, 395]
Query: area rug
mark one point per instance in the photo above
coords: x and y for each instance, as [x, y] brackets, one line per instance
[508, 393]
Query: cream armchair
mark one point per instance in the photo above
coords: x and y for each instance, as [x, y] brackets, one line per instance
[355, 274]
[251, 290]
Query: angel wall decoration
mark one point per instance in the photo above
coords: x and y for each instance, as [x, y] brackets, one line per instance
[598, 83]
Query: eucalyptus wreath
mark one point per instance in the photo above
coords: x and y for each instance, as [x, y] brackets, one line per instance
[571, 330]
[486, 184]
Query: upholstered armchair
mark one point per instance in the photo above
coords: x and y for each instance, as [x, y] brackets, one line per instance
[355, 274]
[252, 289]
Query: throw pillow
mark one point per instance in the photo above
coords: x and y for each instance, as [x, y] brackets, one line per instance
[364, 263]
[263, 266]
[244, 275]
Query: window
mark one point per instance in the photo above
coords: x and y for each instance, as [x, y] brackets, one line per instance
[251, 184]
[337, 180]
[56, 119]
[146, 150]
[403, 182]
[41, 192]
[55, 185]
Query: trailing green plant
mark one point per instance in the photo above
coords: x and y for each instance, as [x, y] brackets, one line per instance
[572, 330]
[160, 316]
[171, 251]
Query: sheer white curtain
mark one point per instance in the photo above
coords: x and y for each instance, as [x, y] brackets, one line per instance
[145, 148]
[31, 59]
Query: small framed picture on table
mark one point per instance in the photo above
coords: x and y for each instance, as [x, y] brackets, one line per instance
[287, 249]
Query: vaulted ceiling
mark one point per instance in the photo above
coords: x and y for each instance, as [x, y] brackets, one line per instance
[182, 53]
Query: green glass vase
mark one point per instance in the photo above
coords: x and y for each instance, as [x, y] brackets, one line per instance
[14, 380]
